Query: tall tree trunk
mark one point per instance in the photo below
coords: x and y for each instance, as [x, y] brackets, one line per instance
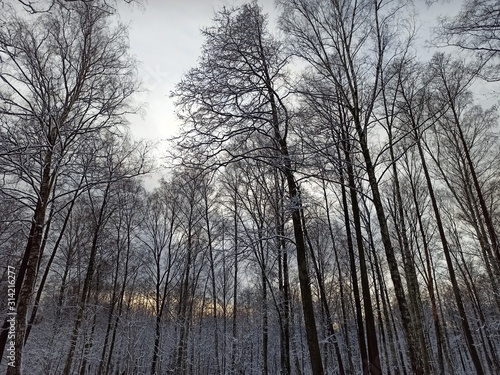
[324, 300]
[265, 321]
[213, 285]
[26, 276]
[482, 202]
[471, 209]
[284, 281]
[99, 223]
[392, 329]
[120, 302]
[412, 282]
[339, 271]
[451, 270]
[296, 208]
[355, 287]
[185, 302]
[430, 280]
[234, 330]
[304, 281]
[373, 367]
[413, 347]
[51, 260]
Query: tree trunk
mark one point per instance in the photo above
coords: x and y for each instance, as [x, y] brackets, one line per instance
[413, 347]
[99, 223]
[373, 367]
[430, 281]
[337, 263]
[324, 300]
[409, 267]
[296, 208]
[26, 276]
[355, 287]
[284, 282]
[451, 270]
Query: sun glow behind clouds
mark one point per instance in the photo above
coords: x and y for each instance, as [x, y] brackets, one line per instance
[165, 38]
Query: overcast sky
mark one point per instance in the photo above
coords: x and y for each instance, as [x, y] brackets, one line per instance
[165, 38]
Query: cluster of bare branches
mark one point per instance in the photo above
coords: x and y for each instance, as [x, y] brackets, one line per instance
[333, 205]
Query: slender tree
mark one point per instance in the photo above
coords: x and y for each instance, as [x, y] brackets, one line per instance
[233, 105]
[348, 44]
[66, 76]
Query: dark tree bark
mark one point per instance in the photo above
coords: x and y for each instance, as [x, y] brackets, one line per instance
[235, 93]
[50, 72]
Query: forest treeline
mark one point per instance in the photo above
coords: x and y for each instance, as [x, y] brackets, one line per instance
[330, 203]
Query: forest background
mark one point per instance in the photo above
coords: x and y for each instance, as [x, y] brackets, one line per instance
[328, 203]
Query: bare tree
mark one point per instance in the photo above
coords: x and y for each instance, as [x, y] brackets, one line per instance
[348, 44]
[233, 106]
[159, 238]
[451, 80]
[66, 78]
[116, 161]
[43, 6]
[418, 119]
[125, 226]
[476, 29]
